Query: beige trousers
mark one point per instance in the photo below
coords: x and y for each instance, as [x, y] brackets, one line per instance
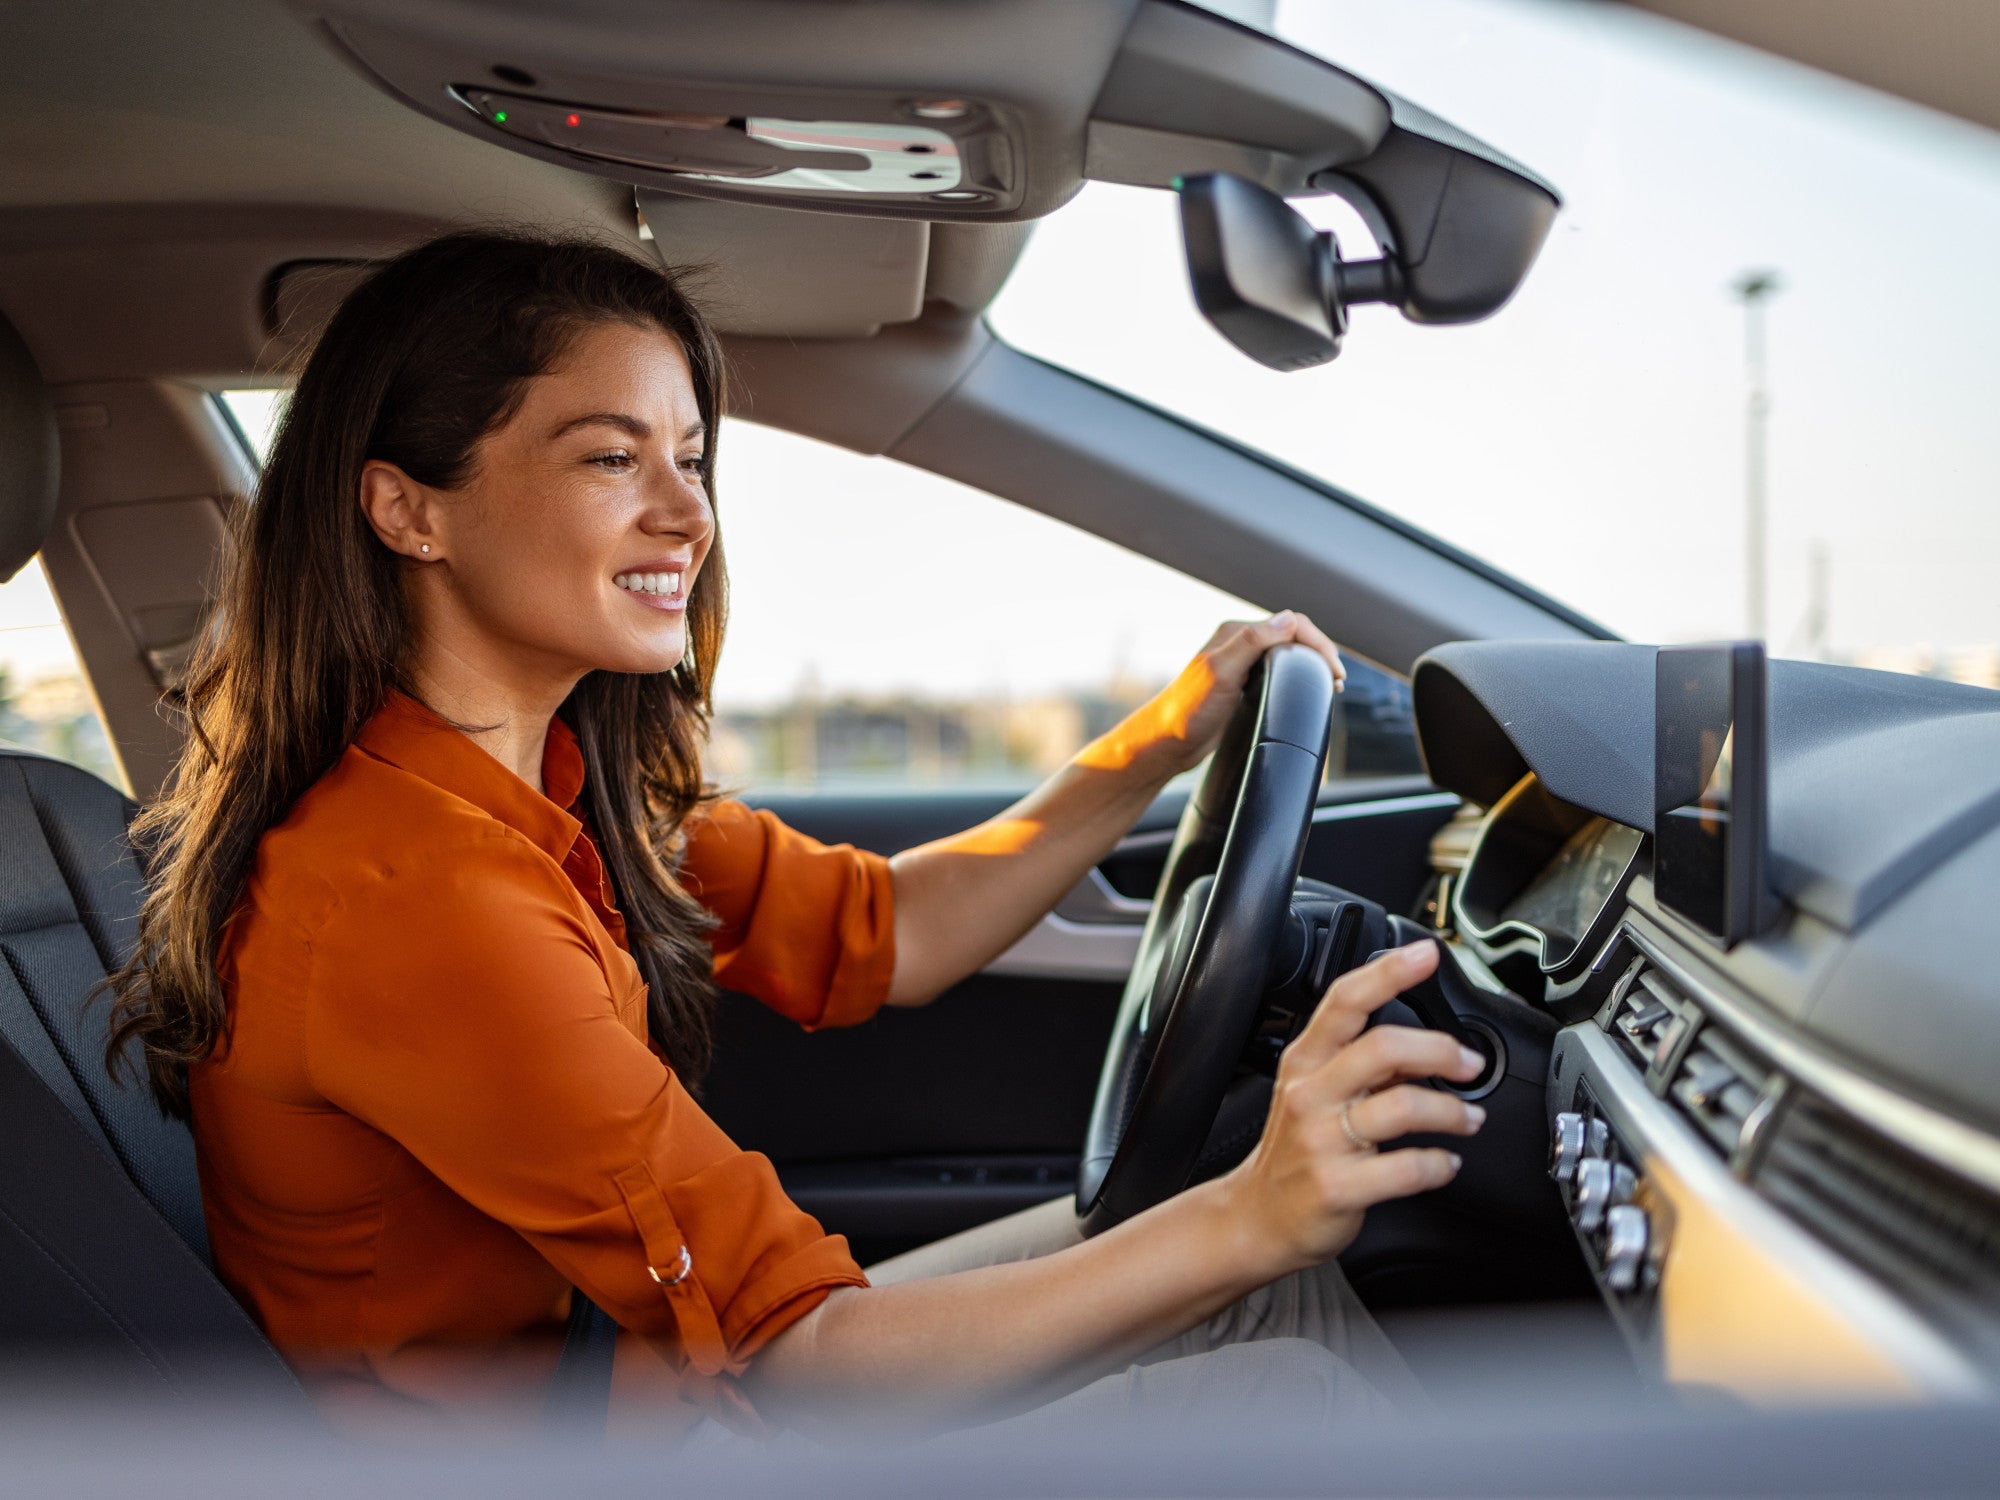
[1304, 1342]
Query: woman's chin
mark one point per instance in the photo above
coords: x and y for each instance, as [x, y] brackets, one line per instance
[661, 654]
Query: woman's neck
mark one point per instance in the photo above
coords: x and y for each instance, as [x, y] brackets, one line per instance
[509, 718]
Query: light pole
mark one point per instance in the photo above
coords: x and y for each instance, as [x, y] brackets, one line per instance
[1753, 289]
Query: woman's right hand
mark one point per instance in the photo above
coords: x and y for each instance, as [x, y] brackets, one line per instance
[1302, 1192]
[937, 1349]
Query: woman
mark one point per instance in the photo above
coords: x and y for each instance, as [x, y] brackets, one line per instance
[440, 906]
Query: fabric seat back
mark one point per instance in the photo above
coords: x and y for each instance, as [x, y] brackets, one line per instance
[103, 1250]
[69, 900]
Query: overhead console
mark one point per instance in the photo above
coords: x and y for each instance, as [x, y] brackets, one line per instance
[921, 111]
[995, 111]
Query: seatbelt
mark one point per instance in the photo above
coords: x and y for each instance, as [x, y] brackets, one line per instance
[580, 1391]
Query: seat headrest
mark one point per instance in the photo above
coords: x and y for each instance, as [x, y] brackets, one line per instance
[29, 455]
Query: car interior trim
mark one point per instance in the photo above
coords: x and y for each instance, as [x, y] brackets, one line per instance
[1956, 1147]
[1746, 1299]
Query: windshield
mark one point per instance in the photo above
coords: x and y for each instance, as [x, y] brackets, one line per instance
[1591, 438]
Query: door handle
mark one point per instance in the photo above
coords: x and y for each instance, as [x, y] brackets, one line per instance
[1093, 902]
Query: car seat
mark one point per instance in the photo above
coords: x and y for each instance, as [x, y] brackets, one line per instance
[103, 1251]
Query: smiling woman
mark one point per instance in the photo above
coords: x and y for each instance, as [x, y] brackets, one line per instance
[441, 904]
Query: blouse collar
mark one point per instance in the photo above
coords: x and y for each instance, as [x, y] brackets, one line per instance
[409, 734]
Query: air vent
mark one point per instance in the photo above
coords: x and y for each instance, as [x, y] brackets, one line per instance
[1930, 1237]
[1717, 1085]
[1650, 1017]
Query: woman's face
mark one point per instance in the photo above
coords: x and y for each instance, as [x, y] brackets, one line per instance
[576, 541]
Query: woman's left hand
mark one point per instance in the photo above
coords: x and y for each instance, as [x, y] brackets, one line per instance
[1182, 722]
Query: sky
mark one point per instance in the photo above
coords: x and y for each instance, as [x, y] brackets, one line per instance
[1588, 437]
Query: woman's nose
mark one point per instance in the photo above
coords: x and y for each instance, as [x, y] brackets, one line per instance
[680, 506]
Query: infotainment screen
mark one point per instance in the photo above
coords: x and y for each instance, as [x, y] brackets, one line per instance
[1710, 767]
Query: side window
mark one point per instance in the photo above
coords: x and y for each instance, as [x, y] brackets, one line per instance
[256, 414]
[45, 701]
[891, 628]
[1376, 734]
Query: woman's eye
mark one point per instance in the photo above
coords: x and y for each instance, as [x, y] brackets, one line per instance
[618, 458]
[692, 465]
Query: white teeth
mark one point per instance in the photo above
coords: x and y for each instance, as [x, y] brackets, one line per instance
[665, 584]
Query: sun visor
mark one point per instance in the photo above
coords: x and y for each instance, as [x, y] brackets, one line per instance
[762, 271]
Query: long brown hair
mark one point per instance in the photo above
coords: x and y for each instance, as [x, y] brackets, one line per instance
[312, 628]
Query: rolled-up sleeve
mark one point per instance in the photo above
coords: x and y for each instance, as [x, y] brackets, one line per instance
[807, 928]
[495, 1046]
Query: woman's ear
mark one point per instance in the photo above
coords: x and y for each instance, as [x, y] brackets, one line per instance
[400, 511]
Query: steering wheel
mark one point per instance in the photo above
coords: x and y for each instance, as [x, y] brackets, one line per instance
[1198, 983]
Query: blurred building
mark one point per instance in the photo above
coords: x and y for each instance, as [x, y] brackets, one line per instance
[1978, 665]
[853, 741]
[56, 716]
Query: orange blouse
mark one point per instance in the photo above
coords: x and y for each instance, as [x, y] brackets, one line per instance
[438, 1109]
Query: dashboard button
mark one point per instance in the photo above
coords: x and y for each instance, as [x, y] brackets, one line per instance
[1626, 1237]
[1567, 1148]
[1593, 1193]
[1624, 1183]
[1596, 1138]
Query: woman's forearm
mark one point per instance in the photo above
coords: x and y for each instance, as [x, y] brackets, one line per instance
[977, 1343]
[964, 900]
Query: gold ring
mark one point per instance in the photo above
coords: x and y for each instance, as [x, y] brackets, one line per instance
[1347, 1129]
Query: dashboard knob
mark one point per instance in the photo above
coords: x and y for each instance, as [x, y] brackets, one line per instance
[1593, 1193]
[1626, 1238]
[1568, 1146]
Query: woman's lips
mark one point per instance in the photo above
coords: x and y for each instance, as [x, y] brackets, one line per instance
[656, 589]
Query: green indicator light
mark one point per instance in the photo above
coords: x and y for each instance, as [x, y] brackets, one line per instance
[499, 117]
[1175, 184]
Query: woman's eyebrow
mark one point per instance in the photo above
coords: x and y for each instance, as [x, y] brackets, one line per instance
[626, 424]
[629, 425]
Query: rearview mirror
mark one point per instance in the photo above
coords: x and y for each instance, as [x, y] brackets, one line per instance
[1459, 226]
[1272, 285]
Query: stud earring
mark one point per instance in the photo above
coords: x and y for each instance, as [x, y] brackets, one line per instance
[426, 547]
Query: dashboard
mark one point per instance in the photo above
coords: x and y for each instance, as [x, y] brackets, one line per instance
[1568, 896]
[1781, 1185]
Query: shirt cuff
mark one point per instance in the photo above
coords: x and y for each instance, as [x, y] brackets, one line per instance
[795, 1286]
[860, 985]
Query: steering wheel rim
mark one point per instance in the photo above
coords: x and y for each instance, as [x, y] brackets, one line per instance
[1196, 987]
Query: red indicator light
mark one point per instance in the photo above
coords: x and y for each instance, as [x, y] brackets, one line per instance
[573, 120]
